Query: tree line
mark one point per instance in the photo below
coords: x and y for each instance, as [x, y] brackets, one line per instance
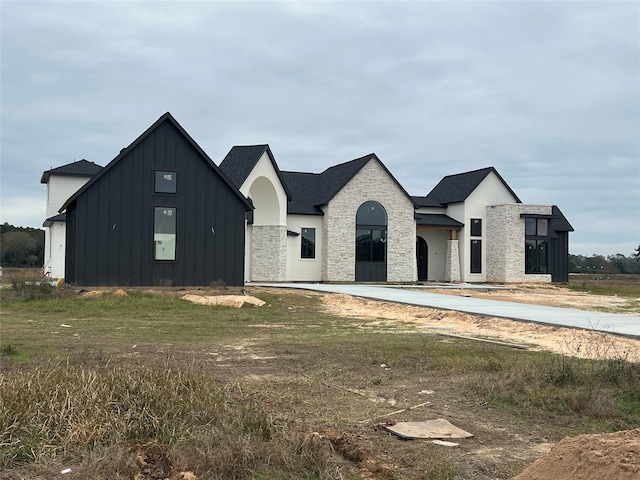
[21, 247]
[611, 264]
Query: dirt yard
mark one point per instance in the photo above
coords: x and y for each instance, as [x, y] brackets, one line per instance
[555, 339]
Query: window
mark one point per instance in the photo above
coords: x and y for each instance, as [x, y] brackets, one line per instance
[164, 233]
[166, 182]
[371, 233]
[308, 243]
[476, 256]
[370, 245]
[536, 253]
[476, 227]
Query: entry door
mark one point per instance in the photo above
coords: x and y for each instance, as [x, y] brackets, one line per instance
[422, 258]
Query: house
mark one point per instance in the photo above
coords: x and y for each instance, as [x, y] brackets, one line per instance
[62, 182]
[355, 222]
[161, 212]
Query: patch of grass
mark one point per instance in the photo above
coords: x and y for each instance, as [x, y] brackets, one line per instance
[61, 409]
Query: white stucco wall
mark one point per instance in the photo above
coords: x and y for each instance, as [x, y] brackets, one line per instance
[59, 189]
[371, 183]
[303, 269]
[261, 185]
[491, 191]
[54, 254]
[436, 239]
[266, 239]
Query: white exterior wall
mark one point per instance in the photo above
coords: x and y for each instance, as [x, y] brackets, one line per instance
[491, 191]
[436, 239]
[506, 243]
[266, 239]
[59, 189]
[54, 254]
[303, 269]
[338, 241]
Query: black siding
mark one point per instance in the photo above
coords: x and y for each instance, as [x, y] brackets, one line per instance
[110, 234]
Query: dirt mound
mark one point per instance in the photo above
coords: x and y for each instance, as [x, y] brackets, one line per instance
[590, 457]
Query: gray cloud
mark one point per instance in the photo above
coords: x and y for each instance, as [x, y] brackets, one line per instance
[547, 92]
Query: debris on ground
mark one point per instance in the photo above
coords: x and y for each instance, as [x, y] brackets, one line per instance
[236, 301]
[439, 428]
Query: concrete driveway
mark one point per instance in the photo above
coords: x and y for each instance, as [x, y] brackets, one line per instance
[566, 317]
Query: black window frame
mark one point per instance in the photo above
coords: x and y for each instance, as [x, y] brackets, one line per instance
[158, 183]
[308, 243]
[161, 230]
[475, 256]
[536, 246]
[476, 227]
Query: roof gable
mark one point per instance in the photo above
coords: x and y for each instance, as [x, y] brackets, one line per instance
[457, 188]
[167, 117]
[242, 159]
[80, 168]
[311, 190]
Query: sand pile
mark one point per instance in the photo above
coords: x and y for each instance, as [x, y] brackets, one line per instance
[590, 457]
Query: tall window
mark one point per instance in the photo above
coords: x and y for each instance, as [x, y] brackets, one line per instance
[476, 245]
[536, 245]
[164, 233]
[308, 243]
[371, 233]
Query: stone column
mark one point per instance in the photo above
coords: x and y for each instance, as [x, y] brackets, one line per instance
[452, 267]
[269, 253]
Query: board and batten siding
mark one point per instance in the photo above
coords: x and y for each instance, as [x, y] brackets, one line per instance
[110, 238]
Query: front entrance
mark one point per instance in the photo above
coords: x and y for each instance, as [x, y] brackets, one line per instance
[371, 243]
[422, 258]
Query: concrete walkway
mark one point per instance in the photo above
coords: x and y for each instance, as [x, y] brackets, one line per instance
[566, 317]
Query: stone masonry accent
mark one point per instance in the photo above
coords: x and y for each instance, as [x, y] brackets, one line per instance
[506, 243]
[372, 182]
[452, 267]
[269, 253]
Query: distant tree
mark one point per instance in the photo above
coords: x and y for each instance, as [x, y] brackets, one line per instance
[21, 246]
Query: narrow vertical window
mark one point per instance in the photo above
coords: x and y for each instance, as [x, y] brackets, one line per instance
[308, 243]
[536, 253]
[164, 233]
[476, 227]
[476, 256]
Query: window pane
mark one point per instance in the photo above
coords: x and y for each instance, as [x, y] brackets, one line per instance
[543, 254]
[529, 226]
[308, 248]
[371, 213]
[164, 233]
[476, 256]
[379, 242]
[530, 257]
[363, 245]
[543, 227]
[166, 182]
[476, 227]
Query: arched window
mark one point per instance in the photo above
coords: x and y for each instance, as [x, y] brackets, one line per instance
[371, 233]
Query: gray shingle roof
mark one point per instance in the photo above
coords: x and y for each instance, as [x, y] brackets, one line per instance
[81, 168]
[241, 159]
[456, 188]
[426, 202]
[436, 220]
[61, 217]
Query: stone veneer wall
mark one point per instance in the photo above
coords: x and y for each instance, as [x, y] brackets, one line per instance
[452, 267]
[506, 241]
[269, 253]
[338, 240]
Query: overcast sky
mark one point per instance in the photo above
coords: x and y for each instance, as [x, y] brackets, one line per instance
[546, 92]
